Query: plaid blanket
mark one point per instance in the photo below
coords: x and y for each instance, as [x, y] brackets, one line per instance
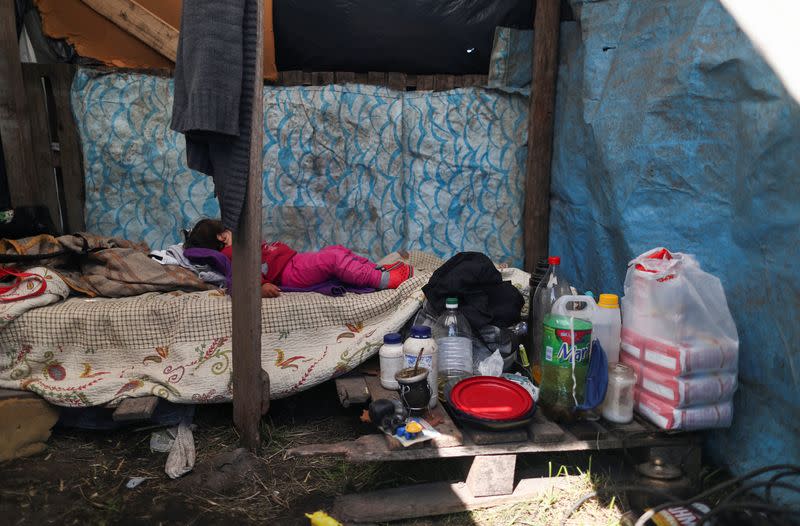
[92, 351]
[99, 266]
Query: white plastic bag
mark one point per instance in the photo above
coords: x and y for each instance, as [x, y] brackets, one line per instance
[491, 366]
[675, 315]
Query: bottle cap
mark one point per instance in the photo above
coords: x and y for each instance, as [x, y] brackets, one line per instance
[608, 301]
[420, 331]
[554, 260]
[392, 337]
[451, 303]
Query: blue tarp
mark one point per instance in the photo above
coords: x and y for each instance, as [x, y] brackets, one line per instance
[672, 131]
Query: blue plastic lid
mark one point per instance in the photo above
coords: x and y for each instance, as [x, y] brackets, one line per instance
[420, 331]
[392, 337]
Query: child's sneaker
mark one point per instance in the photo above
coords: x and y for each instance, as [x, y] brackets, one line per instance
[395, 274]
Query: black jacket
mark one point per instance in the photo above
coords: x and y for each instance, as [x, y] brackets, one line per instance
[483, 296]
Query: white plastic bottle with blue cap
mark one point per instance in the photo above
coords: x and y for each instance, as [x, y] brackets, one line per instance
[391, 359]
[421, 340]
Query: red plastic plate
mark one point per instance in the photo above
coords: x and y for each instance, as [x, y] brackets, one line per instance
[491, 398]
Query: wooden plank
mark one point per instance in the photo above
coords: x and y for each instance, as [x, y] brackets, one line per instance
[345, 77]
[376, 78]
[131, 409]
[586, 430]
[140, 23]
[443, 82]
[15, 127]
[306, 80]
[366, 449]
[378, 391]
[247, 373]
[475, 80]
[492, 475]
[483, 436]
[425, 82]
[437, 498]
[411, 81]
[290, 78]
[543, 430]
[71, 154]
[397, 81]
[322, 78]
[540, 131]
[352, 390]
[41, 141]
[362, 78]
[450, 433]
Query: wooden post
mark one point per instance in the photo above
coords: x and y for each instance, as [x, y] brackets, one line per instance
[247, 372]
[15, 127]
[540, 131]
[137, 21]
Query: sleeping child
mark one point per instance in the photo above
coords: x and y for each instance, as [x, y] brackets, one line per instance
[283, 266]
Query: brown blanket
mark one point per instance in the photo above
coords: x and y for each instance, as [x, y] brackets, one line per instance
[101, 266]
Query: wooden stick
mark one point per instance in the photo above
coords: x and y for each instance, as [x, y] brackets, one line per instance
[540, 131]
[140, 23]
[15, 126]
[248, 377]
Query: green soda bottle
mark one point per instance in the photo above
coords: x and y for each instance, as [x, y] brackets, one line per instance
[556, 389]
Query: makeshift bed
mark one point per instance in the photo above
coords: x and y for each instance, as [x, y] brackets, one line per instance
[91, 351]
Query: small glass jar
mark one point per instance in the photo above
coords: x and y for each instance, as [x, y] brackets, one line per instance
[618, 404]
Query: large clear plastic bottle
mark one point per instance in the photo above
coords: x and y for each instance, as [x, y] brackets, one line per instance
[552, 286]
[453, 337]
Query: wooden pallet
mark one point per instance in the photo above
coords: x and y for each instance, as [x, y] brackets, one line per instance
[491, 478]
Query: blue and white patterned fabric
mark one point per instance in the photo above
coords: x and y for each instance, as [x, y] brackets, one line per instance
[367, 167]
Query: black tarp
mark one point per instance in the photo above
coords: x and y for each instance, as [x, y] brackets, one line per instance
[409, 36]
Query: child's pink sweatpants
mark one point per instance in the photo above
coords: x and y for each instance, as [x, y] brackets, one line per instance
[307, 269]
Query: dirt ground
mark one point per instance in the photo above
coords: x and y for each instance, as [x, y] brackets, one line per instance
[81, 478]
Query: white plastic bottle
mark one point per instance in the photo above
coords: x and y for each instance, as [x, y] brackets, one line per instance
[421, 340]
[391, 359]
[453, 341]
[608, 327]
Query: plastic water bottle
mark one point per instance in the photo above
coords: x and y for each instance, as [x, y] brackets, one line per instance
[552, 286]
[454, 341]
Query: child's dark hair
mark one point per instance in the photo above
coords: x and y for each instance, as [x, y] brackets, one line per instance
[204, 235]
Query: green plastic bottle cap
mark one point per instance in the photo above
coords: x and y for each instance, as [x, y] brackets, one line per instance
[451, 303]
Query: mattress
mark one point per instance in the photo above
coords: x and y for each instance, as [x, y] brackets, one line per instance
[86, 352]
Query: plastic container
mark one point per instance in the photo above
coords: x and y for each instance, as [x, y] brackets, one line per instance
[709, 355]
[552, 286]
[604, 316]
[666, 417]
[421, 340]
[607, 326]
[564, 365]
[618, 404]
[679, 391]
[453, 341]
[391, 359]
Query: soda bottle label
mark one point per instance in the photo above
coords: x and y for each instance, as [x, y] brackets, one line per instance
[558, 347]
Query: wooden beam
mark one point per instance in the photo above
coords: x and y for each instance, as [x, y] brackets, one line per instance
[437, 498]
[247, 373]
[42, 169]
[71, 154]
[140, 23]
[15, 127]
[540, 131]
[132, 409]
